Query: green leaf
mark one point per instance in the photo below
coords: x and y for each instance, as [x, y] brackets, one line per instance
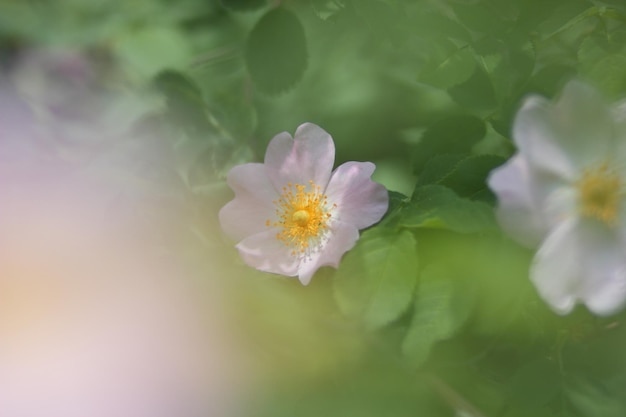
[466, 175]
[512, 71]
[150, 50]
[468, 179]
[450, 135]
[438, 207]
[327, 9]
[376, 280]
[606, 70]
[440, 310]
[438, 168]
[276, 53]
[590, 398]
[396, 202]
[487, 16]
[475, 93]
[450, 68]
[243, 5]
[184, 101]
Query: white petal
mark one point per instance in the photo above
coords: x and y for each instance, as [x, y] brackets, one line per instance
[310, 157]
[558, 201]
[604, 287]
[252, 206]
[537, 137]
[343, 238]
[265, 252]
[586, 122]
[517, 211]
[360, 201]
[530, 203]
[556, 270]
[573, 133]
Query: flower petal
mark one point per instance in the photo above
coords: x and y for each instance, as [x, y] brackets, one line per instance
[530, 203]
[252, 206]
[343, 238]
[308, 157]
[360, 201]
[517, 211]
[537, 137]
[266, 253]
[604, 290]
[561, 137]
[586, 120]
[556, 269]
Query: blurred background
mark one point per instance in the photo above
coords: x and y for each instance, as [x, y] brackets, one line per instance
[119, 294]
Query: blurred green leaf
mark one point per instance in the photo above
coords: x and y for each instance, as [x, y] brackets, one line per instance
[276, 52]
[490, 16]
[327, 9]
[535, 384]
[512, 72]
[591, 399]
[396, 202]
[438, 168]
[438, 207]
[440, 310]
[466, 175]
[184, 100]
[450, 135]
[453, 66]
[375, 280]
[149, 50]
[476, 93]
[243, 5]
[468, 179]
[602, 61]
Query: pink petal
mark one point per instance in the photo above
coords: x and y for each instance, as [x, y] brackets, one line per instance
[343, 238]
[266, 253]
[360, 201]
[252, 206]
[309, 157]
[557, 268]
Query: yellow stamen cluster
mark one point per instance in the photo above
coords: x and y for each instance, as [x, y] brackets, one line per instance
[303, 216]
[600, 194]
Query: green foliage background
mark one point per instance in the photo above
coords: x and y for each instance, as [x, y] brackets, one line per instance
[432, 314]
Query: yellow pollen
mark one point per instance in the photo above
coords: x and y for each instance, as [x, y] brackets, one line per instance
[302, 215]
[600, 194]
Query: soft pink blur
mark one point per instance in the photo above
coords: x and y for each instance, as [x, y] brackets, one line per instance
[98, 315]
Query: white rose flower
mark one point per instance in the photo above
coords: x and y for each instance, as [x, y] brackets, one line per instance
[564, 192]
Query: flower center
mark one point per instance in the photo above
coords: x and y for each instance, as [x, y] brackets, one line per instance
[600, 192]
[303, 216]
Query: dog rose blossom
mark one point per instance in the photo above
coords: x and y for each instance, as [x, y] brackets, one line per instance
[565, 193]
[293, 214]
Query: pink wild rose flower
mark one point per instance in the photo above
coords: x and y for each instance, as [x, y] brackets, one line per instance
[293, 214]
